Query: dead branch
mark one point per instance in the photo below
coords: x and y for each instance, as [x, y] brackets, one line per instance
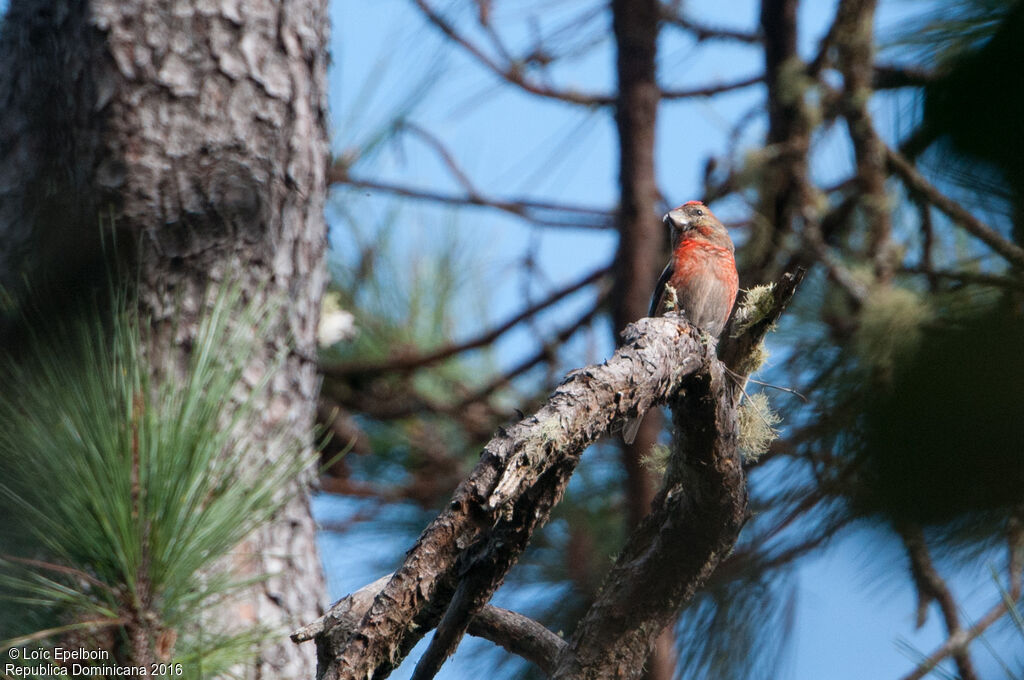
[711, 90]
[932, 587]
[696, 519]
[957, 642]
[463, 556]
[704, 32]
[535, 212]
[522, 472]
[410, 362]
[510, 72]
[518, 634]
[855, 48]
[917, 184]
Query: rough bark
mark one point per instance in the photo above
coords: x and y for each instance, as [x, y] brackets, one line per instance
[639, 257]
[640, 235]
[788, 139]
[518, 634]
[697, 517]
[855, 51]
[522, 472]
[198, 126]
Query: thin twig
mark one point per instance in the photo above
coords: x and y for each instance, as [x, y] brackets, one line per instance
[704, 32]
[585, 217]
[966, 277]
[510, 72]
[411, 362]
[931, 586]
[916, 182]
[956, 642]
[712, 90]
[446, 156]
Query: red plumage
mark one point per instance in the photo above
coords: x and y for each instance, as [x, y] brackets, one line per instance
[700, 280]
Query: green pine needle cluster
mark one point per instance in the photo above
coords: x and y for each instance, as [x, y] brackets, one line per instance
[123, 492]
[656, 460]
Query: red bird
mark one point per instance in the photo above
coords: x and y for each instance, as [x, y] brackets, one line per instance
[700, 279]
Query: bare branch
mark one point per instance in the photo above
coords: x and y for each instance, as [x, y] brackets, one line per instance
[704, 32]
[693, 525]
[510, 72]
[712, 90]
[466, 552]
[916, 182]
[931, 586]
[576, 216]
[854, 39]
[492, 510]
[957, 642]
[346, 612]
[410, 362]
[518, 634]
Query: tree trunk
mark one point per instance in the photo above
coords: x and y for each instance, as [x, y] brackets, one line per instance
[641, 238]
[199, 127]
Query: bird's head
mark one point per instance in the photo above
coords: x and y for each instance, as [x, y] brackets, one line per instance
[695, 221]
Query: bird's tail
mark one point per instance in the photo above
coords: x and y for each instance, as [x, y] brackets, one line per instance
[630, 429]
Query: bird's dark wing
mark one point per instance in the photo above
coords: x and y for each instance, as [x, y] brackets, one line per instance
[659, 289]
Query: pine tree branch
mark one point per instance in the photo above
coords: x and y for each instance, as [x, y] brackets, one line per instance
[411, 362]
[523, 472]
[711, 90]
[956, 642]
[541, 213]
[917, 183]
[519, 634]
[510, 72]
[855, 49]
[932, 587]
[704, 32]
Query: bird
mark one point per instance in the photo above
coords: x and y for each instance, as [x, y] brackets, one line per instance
[700, 279]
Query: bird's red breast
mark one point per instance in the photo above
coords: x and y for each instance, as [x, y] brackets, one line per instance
[705, 280]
